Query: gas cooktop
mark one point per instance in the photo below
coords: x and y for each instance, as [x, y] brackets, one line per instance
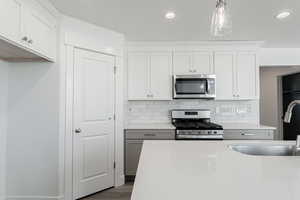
[195, 125]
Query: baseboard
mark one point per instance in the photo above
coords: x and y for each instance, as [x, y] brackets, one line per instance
[34, 198]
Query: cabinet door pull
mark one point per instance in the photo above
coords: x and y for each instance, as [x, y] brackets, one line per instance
[248, 134]
[149, 134]
[25, 38]
[78, 130]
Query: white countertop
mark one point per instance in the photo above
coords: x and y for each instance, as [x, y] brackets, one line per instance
[233, 126]
[209, 170]
[229, 126]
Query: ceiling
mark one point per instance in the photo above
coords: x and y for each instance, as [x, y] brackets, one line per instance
[143, 20]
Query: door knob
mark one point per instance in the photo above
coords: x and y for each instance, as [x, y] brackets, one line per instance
[78, 130]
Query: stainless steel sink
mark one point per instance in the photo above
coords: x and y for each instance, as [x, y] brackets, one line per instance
[265, 149]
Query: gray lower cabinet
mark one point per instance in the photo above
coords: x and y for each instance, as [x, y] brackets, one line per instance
[133, 151]
[249, 134]
[134, 143]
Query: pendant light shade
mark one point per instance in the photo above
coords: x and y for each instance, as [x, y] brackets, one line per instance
[221, 24]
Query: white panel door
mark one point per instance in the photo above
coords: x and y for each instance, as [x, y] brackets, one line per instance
[246, 68]
[182, 63]
[138, 76]
[161, 76]
[93, 122]
[224, 70]
[10, 19]
[202, 62]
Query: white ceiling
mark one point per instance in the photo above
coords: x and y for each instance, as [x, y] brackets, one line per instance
[143, 20]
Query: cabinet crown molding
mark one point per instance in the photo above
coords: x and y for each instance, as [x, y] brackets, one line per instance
[194, 45]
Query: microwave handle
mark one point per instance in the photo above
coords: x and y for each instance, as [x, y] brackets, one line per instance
[207, 85]
[175, 86]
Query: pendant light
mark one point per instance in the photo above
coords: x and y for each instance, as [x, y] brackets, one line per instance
[221, 23]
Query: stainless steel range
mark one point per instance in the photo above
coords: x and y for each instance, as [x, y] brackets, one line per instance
[195, 125]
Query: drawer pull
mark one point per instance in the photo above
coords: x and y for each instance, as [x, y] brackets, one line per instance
[248, 134]
[150, 135]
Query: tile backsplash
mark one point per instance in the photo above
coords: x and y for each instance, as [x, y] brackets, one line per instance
[221, 111]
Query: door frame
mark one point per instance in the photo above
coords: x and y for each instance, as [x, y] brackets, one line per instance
[66, 127]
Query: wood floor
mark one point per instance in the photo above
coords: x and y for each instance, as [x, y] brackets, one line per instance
[119, 193]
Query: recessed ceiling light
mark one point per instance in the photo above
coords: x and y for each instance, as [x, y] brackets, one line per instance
[283, 14]
[170, 15]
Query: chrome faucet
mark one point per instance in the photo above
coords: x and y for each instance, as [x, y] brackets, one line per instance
[287, 119]
[289, 111]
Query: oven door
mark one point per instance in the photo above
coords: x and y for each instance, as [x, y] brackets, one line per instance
[194, 87]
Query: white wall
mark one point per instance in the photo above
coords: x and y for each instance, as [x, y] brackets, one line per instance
[3, 124]
[35, 137]
[280, 57]
[270, 103]
[82, 34]
[33, 130]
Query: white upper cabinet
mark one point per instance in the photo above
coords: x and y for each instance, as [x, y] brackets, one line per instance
[235, 65]
[202, 62]
[224, 67]
[138, 76]
[246, 72]
[182, 63]
[161, 76]
[236, 75]
[150, 76]
[39, 29]
[193, 62]
[28, 31]
[10, 19]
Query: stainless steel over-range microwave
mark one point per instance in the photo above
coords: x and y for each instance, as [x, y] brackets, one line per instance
[201, 86]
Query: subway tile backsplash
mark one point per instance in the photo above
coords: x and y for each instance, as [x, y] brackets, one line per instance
[221, 111]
